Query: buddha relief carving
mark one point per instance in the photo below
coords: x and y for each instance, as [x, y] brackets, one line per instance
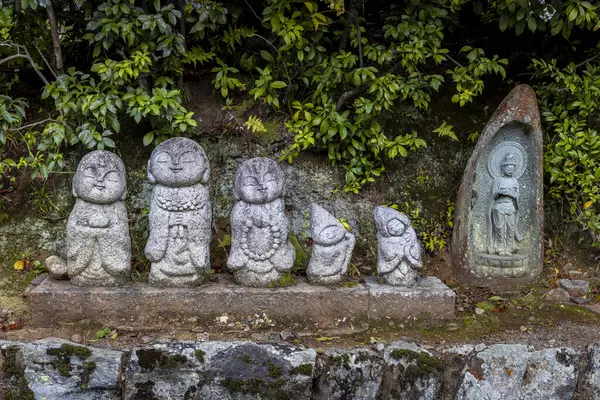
[260, 250]
[180, 214]
[98, 241]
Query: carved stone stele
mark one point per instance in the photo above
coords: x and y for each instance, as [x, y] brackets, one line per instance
[180, 214]
[331, 250]
[260, 250]
[497, 234]
[98, 242]
[399, 251]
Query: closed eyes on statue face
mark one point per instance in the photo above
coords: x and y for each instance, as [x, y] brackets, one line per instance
[177, 169]
[258, 188]
[100, 184]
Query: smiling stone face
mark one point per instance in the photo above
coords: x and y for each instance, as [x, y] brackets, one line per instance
[259, 181]
[178, 162]
[100, 178]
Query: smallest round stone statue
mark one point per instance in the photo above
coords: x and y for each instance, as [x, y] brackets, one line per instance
[399, 251]
[98, 242]
[332, 248]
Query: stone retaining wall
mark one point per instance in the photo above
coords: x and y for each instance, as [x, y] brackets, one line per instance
[57, 369]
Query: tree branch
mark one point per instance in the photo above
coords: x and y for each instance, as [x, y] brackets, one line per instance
[57, 51]
[454, 61]
[26, 56]
[46, 62]
[586, 61]
[32, 124]
[360, 52]
[253, 12]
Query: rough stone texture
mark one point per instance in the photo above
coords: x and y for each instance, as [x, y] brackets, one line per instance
[557, 295]
[515, 372]
[411, 372]
[57, 267]
[590, 387]
[497, 235]
[349, 374]
[399, 251]
[180, 214]
[98, 242]
[332, 247]
[260, 249]
[94, 374]
[220, 371]
[144, 307]
[575, 288]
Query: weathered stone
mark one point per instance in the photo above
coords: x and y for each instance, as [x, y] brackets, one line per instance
[57, 267]
[575, 288]
[61, 370]
[590, 387]
[557, 295]
[98, 242]
[429, 299]
[349, 374]
[332, 247]
[219, 371]
[144, 307]
[260, 249]
[515, 372]
[411, 372]
[399, 251]
[180, 214]
[497, 236]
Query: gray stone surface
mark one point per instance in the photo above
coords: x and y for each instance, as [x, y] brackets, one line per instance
[557, 295]
[144, 307]
[57, 267]
[331, 250]
[575, 288]
[497, 233]
[349, 374]
[399, 251]
[98, 242]
[590, 387]
[515, 372]
[219, 371]
[93, 375]
[180, 214]
[411, 372]
[260, 249]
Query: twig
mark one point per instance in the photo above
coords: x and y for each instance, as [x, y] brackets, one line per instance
[253, 12]
[26, 56]
[586, 61]
[454, 61]
[32, 124]
[46, 62]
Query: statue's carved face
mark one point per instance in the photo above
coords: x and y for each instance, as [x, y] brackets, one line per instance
[395, 227]
[331, 235]
[508, 169]
[178, 162]
[259, 181]
[100, 178]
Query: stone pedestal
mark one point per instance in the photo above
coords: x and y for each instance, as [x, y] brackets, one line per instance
[303, 306]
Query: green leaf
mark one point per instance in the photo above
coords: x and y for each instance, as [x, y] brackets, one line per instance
[504, 19]
[267, 56]
[278, 85]
[148, 138]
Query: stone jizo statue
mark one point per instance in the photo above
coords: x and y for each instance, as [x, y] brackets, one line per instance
[98, 242]
[504, 208]
[332, 247]
[180, 214]
[399, 251]
[260, 250]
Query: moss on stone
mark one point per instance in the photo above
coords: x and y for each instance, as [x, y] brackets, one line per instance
[303, 369]
[148, 359]
[70, 350]
[272, 390]
[247, 359]
[199, 355]
[88, 368]
[15, 375]
[286, 280]
[275, 371]
[420, 363]
[302, 255]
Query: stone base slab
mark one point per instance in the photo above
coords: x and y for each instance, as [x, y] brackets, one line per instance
[143, 307]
